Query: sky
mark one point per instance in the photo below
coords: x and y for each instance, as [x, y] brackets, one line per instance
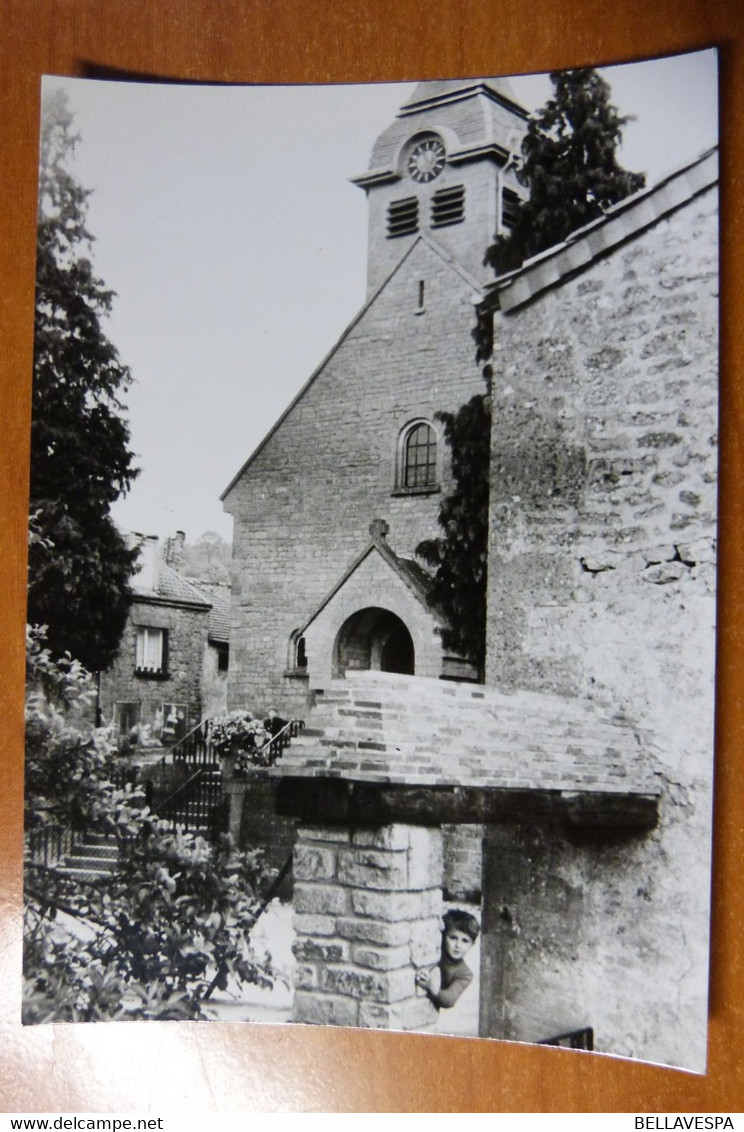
[225, 221]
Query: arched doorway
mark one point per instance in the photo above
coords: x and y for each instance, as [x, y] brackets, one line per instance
[374, 639]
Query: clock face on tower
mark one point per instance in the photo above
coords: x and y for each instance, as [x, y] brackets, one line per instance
[426, 160]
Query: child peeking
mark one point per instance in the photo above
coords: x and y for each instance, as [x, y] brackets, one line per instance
[445, 983]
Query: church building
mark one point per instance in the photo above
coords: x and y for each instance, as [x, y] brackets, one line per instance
[361, 441]
[581, 769]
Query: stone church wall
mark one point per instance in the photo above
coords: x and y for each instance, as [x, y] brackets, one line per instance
[601, 585]
[302, 512]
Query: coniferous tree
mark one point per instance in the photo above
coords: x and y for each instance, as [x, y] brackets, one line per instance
[460, 556]
[569, 166]
[79, 565]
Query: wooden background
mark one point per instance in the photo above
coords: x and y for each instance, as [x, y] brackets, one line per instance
[164, 1068]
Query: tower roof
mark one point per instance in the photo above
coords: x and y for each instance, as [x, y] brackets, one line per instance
[474, 116]
[432, 92]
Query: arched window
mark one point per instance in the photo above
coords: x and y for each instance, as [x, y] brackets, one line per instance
[297, 655]
[418, 456]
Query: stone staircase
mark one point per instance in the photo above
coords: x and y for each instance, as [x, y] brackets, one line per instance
[91, 859]
[383, 727]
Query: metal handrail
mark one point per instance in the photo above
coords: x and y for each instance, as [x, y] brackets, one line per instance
[47, 845]
[202, 723]
[200, 733]
[180, 788]
[278, 742]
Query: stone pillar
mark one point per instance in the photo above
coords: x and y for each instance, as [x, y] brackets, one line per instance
[235, 789]
[367, 907]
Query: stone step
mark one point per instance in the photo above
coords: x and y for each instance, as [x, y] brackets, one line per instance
[416, 733]
[101, 866]
[382, 724]
[376, 686]
[102, 850]
[71, 872]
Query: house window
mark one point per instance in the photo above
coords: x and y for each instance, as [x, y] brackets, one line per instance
[151, 652]
[126, 716]
[402, 219]
[174, 723]
[418, 463]
[448, 206]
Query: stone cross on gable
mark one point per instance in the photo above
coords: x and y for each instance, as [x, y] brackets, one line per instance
[379, 528]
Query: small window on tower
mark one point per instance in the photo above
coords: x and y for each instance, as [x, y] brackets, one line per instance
[448, 206]
[510, 202]
[403, 217]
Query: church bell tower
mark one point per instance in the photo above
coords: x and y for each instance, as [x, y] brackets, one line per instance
[446, 167]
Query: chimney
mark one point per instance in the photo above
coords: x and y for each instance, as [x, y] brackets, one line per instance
[173, 553]
[145, 578]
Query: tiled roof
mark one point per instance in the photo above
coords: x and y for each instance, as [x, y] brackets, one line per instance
[219, 619]
[174, 587]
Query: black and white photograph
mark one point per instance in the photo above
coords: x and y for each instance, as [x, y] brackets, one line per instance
[372, 556]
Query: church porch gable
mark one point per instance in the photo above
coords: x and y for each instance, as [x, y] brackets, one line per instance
[373, 619]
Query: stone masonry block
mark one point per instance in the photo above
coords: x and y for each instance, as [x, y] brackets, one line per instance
[324, 1009]
[372, 986]
[325, 952]
[396, 906]
[424, 857]
[305, 976]
[322, 833]
[381, 958]
[305, 924]
[321, 899]
[371, 868]
[426, 942]
[384, 837]
[374, 931]
[411, 1014]
[314, 863]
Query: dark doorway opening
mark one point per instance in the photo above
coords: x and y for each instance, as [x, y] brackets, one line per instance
[374, 639]
[397, 652]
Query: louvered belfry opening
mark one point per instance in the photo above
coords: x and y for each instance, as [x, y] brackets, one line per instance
[403, 217]
[448, 206]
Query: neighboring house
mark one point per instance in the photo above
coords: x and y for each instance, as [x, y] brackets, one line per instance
[171, 668]
[216, 649]
[601, 602]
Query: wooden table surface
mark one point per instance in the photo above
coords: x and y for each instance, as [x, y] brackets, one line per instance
[165, 1068]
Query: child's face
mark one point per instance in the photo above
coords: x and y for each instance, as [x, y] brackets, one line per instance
[456, 943]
